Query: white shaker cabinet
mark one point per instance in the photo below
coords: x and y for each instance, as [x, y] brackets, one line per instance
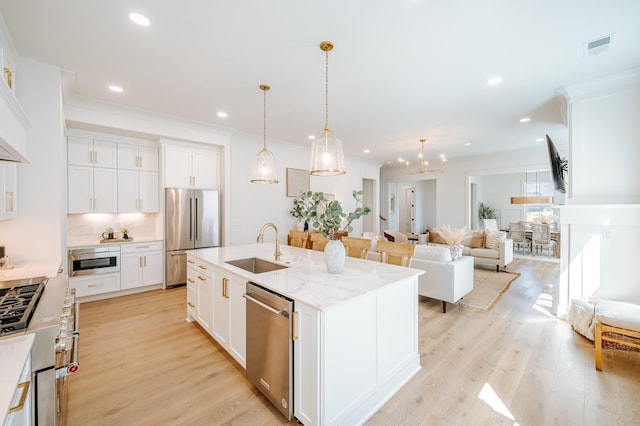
[201, 273]
[91, 152]
[92, 189]
[138, 191]
[192, 290]
[186, 167]
[90, 285]
[8, 186]
[141, 265]
[229, 314]
[137, 157]
[20, 413]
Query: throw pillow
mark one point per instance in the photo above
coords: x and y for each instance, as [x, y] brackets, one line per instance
[493, 238]
[477, 240]
[436, 237]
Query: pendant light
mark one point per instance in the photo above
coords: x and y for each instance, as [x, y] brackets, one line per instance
[327, 156]
[527, 199]
[423, 164]
[264, 165]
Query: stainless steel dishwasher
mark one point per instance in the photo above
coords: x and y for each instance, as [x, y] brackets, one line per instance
[270, 346]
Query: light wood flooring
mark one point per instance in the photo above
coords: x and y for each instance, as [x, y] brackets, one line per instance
[143, 364]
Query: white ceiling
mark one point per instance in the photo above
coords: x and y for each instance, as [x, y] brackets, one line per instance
[400, 70]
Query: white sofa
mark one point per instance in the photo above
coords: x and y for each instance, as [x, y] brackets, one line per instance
[444, 279]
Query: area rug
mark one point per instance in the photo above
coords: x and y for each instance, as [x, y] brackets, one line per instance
[488, 286]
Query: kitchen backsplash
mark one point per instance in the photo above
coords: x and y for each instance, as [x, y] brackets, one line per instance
[88, 227]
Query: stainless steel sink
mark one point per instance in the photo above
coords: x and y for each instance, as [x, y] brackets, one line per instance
[255, 265]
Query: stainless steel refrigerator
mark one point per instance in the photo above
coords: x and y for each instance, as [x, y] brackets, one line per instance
[191, 222]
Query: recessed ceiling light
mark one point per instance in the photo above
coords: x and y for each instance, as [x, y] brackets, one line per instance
[494, 81]
[525, 119]
[115, 88]
[400, 159]
[139, 19]
[311, 137]
[540, 140]
[367, 150]
[467, 144]
[222, 114]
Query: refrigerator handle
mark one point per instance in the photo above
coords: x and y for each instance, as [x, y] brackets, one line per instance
[196, 225]
[190, 219]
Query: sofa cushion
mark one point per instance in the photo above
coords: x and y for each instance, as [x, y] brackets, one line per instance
[493, 238]
[435, 253]
[484, 252]
[477, 239]
[436, 237]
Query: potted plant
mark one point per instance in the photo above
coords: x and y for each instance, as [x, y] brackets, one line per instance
[486, 212]
[327, 216]
[300, 210]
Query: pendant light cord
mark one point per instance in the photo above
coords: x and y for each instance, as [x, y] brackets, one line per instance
[326, 90]
[264, 129]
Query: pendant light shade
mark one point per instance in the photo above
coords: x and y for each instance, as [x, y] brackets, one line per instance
[532, 199]
[264, 166]
[327, 155]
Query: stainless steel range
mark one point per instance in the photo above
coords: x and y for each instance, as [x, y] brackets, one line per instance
[47, 308]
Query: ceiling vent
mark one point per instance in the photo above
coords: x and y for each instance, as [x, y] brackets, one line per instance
[595, 47]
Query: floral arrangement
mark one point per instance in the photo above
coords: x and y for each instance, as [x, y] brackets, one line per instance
[327, 215]
[452, 236]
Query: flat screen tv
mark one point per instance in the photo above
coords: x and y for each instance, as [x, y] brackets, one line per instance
[558, 167]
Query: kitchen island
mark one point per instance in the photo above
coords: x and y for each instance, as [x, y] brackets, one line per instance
[355, 333]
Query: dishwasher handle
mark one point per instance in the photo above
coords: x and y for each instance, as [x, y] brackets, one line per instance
[267, 307]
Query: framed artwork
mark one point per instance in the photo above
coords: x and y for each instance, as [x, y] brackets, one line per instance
[297, 181]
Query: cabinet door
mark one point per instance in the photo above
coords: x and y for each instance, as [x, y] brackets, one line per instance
[105, 184]
[148, 192]
[130, 270]
[220, 325]
[177, 167]
[192, 292]
[80, 189]
[205, 300]
[205, 169]
[22, 417]
[8, 188]
[237, 320]
[148, 158]
[95, 284]
[105, 154]
[79, 151]
[128, 184]
[127, 156]
[153, 271]
[306, 348]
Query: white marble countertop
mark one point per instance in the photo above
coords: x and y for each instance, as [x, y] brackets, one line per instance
[90, 242]
[13, 353]
[36, 268]
[306, 278]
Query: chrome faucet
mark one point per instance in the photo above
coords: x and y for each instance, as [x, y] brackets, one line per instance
[277, 254]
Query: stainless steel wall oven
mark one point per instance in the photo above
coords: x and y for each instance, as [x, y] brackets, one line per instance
[94, 260]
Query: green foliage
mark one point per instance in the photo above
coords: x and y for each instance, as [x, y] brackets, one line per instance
[486, 212]
[301, 206]
[327, 215]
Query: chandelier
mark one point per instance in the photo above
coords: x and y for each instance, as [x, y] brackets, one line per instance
[424, 164]
[264, 165]
[327, 156]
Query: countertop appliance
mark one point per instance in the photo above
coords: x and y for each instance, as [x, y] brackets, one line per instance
[54, 319]
[191, 222]
[94, 260]
[270, 345]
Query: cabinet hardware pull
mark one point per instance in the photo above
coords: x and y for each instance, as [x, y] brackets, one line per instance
[95, 285]
[140, 261]
[190, 280]
[145, 261]
[294, 330]
[191, 304]
[202, 267]
[225, 282]
[23, 397]
[95, 157]
[201, 278]
[190, 261]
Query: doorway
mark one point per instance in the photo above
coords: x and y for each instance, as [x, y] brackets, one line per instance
[369, 199]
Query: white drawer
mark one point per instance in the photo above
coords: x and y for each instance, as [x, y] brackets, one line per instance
[139, 247]
[95, 284]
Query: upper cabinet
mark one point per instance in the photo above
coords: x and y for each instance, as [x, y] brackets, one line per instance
[14, 122]
[106, 175]
[8, 186]
[187, 167]
[92, 152]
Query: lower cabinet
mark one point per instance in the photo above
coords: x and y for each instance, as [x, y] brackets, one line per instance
[306, 322]
[90, 285]
[20, 411]
[141, 265]
[219, 306]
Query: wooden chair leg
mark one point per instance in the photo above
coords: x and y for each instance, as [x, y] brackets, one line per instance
[598, 346]
[444, 307]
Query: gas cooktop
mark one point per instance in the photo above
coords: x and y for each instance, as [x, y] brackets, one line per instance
[18, 300]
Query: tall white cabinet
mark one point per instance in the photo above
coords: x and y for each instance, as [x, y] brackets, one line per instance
[138, 189]
[189, 167]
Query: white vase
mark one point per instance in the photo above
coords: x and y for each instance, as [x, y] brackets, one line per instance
[334, 256]
[299, 226]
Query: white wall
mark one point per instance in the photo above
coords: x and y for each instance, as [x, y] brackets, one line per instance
[38, 231]
[601, 221]
[253, 205]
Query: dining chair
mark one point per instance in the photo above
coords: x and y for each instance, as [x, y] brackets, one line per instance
[517, 235]
[490, 224]
[541, 238]
[318, 241]
[298, 238]
[396, 253]
[356, 247]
